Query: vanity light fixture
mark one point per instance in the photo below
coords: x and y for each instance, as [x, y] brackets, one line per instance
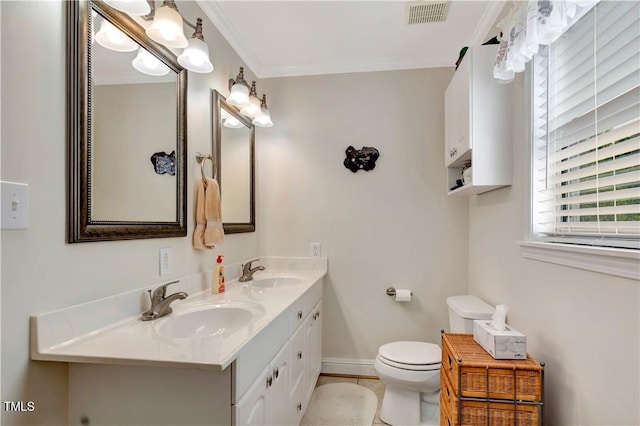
[148, 64]
[263, 119]
[239, 95]
[252, 108]
[167, 29]
[113, 39]
[247, 102]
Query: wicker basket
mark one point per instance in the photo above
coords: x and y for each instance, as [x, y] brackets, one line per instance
[468, 366]
[491, 413]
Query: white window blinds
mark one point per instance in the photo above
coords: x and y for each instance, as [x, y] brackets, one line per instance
[586, 130]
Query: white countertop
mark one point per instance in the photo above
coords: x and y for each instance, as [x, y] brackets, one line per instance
[109, 330]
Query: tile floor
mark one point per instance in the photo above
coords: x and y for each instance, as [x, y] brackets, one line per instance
[374, 384]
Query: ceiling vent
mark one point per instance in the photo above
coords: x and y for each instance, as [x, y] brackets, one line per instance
[422, 12]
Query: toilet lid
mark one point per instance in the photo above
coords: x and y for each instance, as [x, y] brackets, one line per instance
[411, 355]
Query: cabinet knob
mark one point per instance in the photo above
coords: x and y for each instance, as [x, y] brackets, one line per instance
[269, 381]
[300, 406]
[300, 314]
[276, 372]
[299, 354]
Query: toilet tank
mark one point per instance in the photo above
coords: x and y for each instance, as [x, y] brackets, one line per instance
[464, 309]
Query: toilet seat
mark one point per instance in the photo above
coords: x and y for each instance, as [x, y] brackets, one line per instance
[415, 356]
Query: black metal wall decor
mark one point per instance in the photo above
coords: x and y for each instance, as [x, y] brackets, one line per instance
[361, 159]
[164, 163]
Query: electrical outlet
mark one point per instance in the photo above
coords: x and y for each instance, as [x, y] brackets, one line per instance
[315, 249]
[165, 260]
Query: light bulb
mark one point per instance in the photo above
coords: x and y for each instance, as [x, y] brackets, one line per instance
[132, 7]
[166, 28]
[252, 109]
[112, 38]
[232, 123]
[195, 57]
[239, 95]
[148, 64]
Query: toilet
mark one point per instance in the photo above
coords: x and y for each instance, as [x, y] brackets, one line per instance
[411, 370]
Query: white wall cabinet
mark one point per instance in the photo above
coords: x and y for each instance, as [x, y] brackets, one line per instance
[477, 126]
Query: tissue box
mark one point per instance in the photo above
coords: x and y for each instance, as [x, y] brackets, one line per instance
[507, 344]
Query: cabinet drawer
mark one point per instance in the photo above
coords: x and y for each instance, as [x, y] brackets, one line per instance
[302, 307]
[298, 400]
[491, 413]
[298, 356]
[468, 366]
[258, 353]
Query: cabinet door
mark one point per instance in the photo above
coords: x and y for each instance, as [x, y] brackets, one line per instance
[252, 409]
[316, 343]
[462, 107]
[457, 107]
[280, 408]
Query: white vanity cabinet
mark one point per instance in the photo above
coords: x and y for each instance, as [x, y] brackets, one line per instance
[477, 126]
[276, 390]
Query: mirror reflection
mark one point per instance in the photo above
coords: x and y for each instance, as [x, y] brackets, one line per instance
[233, 138]
[133, 117]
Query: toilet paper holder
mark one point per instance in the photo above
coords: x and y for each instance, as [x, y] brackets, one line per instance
[391, 291]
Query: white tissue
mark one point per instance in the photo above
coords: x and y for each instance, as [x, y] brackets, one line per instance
[403, 295]
[498, 320]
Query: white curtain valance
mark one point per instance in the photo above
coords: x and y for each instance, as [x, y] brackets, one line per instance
[530, 24]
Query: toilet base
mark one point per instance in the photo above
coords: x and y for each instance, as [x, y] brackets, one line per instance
[404, 407]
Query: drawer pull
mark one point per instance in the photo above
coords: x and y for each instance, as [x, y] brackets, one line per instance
[269, 381]
[300, 314]
[299, 354]
[276, 372]
[300, 406]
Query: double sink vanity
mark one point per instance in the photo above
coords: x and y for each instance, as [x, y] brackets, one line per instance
[248, 356]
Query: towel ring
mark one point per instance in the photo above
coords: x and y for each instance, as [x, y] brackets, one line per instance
[200, 158]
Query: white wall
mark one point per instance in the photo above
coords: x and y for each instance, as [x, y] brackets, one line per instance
[40, 272]
[393, 226]
[584, 325]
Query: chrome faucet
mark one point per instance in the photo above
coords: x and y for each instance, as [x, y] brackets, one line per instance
[160, 302]
[247, 271]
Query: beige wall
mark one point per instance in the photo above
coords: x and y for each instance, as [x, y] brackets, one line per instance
[40, 272]
[584, 325]
[393, 226]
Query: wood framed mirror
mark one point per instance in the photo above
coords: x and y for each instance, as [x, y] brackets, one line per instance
[234, 144]
[127, 139]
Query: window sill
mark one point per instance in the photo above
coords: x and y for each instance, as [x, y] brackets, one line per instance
[612, 261]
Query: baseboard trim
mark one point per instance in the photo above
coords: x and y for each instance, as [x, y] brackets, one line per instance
[348, 367]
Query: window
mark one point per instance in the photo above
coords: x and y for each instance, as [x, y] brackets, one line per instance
[586, 131]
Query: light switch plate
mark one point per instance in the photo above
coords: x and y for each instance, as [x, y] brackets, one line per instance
[165, 260]
[15, 205]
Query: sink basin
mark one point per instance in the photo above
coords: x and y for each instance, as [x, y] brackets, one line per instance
[273, 282]
[221, 319]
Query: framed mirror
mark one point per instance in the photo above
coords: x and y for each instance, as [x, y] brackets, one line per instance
[126, 129]
[234, 145]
